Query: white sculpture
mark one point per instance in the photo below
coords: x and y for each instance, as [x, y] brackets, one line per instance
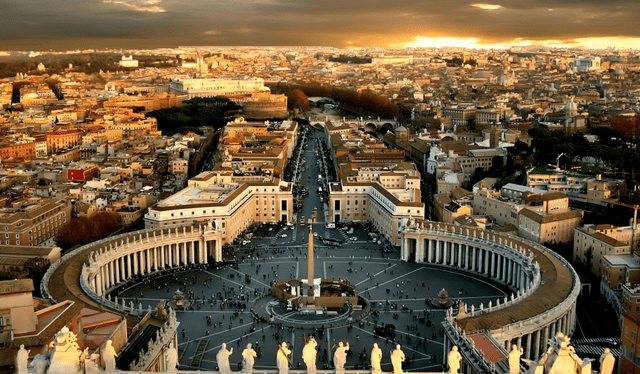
[91, 365]
[340, 357]
[309, 353]
[172, 358]
[453, 359]
[514, 359]
[248, 359]
[376, 358]
[109, 356]
[223, 359]
[282, 359]
[397, 358]
[22, 360]
[607, 362]
[65, 358]
[41, 361]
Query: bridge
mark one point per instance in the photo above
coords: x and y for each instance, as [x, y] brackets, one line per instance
[367, 124]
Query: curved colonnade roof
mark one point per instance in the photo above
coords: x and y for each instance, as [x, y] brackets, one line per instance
[555, 286]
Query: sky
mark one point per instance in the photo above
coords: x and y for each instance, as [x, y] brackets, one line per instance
[346, 24]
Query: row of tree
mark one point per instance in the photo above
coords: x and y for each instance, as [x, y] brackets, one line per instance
[367, 100]
[83, 230]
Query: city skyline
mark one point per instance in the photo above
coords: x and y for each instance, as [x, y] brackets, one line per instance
[139, 24]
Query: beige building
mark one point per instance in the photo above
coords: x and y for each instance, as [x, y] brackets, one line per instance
[547, 218]
[33, 221]
[593, 242]
[232, 205]
[387, 209]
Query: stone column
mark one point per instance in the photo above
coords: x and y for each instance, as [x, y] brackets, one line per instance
[536, 346]
[148, 260]
[201, 251]
[487, 269]
[129, 266]
[170, 252]
[136, 269]
[218, 257]
[99, 287]
[473, 259]
[163, 263]
[527, 350]
[438, 248]
[192, 255]
[183, 254]
[123, 274]
[155, 257]
[430, 250]
[460, 255]
[445, 252]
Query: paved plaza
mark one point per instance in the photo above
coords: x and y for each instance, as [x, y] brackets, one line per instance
[398, 292]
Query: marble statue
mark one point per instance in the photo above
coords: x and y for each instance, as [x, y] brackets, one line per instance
[376, 358]
[172, 358]
[453, 359]
[65, 358]
[109, 356]
[340, 357]
[514, 359]
[309, 353]
[22, 360]
[282, 359]
[607, 362]
[397, 358]
[223, 359]
[91, 365]
[41, 361]
[248, 359]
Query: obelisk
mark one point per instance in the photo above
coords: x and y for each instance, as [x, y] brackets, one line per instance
[310, 295]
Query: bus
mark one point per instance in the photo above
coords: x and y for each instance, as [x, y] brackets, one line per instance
[332, 242]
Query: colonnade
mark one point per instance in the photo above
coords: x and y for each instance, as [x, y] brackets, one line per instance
[508, 260]
[148, 252]
[501, 264]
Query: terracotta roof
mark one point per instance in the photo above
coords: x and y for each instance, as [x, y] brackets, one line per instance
[546, 197]
[608, 240]
[547, 218]
[15, 286]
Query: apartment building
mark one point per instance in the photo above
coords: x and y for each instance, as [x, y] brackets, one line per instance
[32, 221]
[593, 242]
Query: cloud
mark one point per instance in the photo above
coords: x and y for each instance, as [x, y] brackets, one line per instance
[138, 6]
[487, 6]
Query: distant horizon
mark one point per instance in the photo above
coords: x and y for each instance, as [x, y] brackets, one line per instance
[350, 24]
[406, 48]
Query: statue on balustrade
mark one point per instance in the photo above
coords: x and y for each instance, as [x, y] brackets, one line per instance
[65, 358]
[376, 358]
[223, 359]
[453, 359]
[172, 358]
[340, 357]
[514, 359]
[397, 358]
[248, 359]
[282, 359]
[109, 356]
[22, 360]
[309, 353]
[607, 362]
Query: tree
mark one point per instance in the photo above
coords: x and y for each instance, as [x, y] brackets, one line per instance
[298, 99]
[83, 230]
